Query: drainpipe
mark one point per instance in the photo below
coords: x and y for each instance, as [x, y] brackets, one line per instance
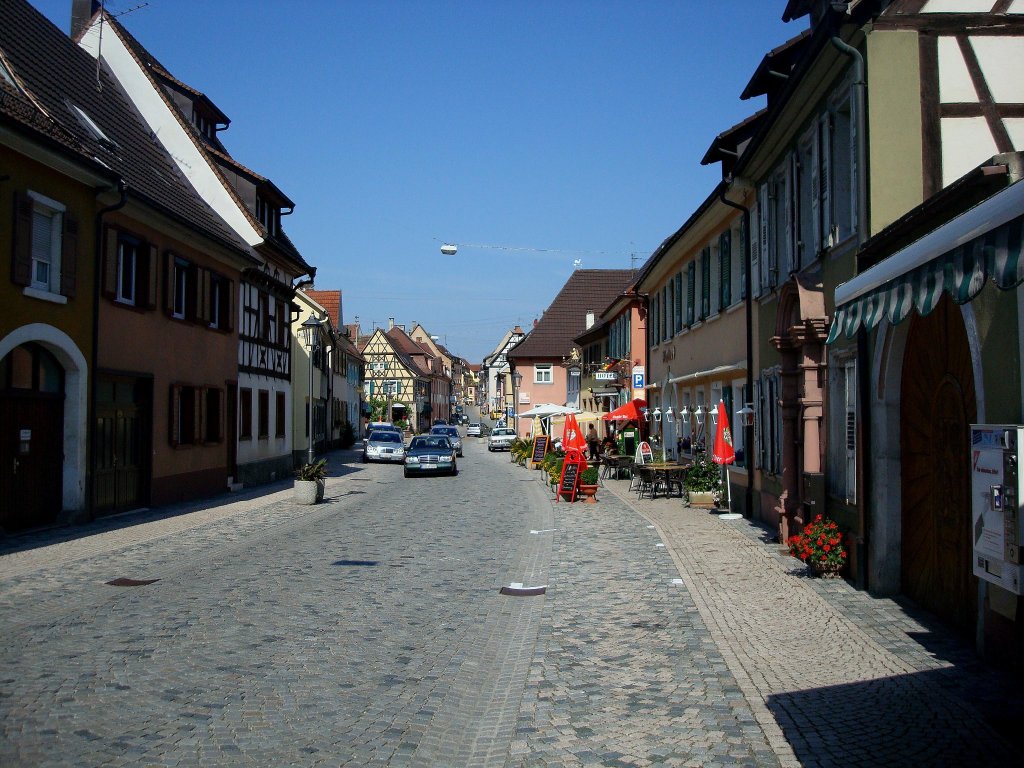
[97, 279]
[863, 378]
[748, 292]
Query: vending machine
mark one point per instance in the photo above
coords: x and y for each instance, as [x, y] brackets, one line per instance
[997, 514]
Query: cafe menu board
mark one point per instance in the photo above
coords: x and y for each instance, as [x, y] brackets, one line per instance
[644, 454]
[569, 481]
[540, 448]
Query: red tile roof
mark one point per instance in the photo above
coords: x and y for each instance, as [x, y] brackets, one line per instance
[566, 317]
[330, 301]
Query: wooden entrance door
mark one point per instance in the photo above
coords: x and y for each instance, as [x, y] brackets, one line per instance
[31, 458]
[121, 443]
[937, 407]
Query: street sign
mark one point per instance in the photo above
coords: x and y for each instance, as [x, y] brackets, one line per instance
[638, 380]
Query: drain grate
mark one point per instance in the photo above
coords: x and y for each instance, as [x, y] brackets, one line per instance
[123, 582]
[357, 563]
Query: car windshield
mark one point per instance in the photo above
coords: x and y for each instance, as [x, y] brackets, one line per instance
[385, 437]
[503, 431]
[431, 441]
[450, 431]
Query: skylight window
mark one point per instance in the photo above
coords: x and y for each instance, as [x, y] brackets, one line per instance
[90, 125]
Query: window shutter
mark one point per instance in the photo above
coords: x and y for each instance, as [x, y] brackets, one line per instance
[227, 306]
[789, 257]
[760, 422]
[824, 182]
[147, 269]
[725, 269]
[679, 301]
[21, 261]
[691, 292]
[773, 226]
[169, 283]
[282, 326]
[202, 288]
[743, 257]
[110, 264]
[264, 317]
[69, 257]
[760, 256]
[850, 385]
[174, 416]
[705, 282]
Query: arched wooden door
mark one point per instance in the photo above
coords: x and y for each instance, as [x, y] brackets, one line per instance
[937, 407]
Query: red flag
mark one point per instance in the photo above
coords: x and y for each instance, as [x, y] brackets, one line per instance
[723, 452]
[571, 435]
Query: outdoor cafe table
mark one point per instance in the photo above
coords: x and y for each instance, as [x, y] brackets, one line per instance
[617, 464]
[667, 475]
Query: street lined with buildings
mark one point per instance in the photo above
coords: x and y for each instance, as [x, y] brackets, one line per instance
[370, 630]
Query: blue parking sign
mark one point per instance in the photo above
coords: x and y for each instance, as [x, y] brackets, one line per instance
[638, 381]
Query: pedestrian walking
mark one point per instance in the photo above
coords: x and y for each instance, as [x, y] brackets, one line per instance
[593, 444]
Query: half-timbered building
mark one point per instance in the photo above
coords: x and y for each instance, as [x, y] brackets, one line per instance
[189, 125]
[395, 384]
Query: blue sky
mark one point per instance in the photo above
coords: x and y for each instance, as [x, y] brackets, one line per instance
[571, 129]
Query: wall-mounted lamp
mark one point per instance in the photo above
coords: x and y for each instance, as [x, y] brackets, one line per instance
[647, 414]
[657, 414]
[746, 415]
[669, 416]
[685, 413]
[699, 414]
[713, 413]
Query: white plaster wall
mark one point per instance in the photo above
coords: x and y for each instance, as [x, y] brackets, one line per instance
[165, 126]
[76, 404]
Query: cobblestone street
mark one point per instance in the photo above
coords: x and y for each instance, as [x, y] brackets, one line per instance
[370, 630]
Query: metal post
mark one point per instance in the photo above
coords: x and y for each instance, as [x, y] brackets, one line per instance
[309, 457]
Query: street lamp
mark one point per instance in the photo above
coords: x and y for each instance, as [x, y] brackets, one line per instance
[310, 330]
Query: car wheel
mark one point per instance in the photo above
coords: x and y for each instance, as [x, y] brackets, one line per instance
[460, 454]
[405, 472]
[455, 471]
[365, 460]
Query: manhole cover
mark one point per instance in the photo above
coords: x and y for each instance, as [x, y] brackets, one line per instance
[123, 582]
[514, 590]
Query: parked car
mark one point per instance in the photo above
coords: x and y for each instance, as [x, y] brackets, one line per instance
[430, 455]
[438, 422]
[379, 426]
[384, 445]
[473, 430]
[453, 435]
[500, 439]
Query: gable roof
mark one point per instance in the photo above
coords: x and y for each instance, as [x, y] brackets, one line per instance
[60, 77]
[216, 154]
[565, 318]
[330, 301]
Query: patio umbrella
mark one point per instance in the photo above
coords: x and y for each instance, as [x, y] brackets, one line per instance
[548, 409]
[571, 435]
[723, 453]
[627, 412]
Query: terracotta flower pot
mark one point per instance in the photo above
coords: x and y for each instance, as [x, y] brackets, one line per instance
[590, 492]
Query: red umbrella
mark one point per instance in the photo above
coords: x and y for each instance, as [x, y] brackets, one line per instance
[723, 452]
[571, 435]
[627, 412]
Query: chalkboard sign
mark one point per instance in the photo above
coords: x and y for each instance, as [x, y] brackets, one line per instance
[540, 447]
[570, 476]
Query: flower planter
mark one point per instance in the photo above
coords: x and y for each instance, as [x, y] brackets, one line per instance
[590, 492]
[826, 570]
[702, 499]
[308, 491]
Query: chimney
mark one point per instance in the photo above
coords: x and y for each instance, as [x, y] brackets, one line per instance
[81, 12]
[590, 319]
[391, 323]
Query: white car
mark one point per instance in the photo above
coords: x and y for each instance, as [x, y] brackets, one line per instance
[384, 445]
[500, 439]
[473, 430]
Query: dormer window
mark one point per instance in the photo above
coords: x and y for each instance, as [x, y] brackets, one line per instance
[268, 215]
[203, 123]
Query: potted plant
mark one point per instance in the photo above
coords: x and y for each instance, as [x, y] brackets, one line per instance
[588, 484]
[820, 546]
[704, 482]
[310, 480]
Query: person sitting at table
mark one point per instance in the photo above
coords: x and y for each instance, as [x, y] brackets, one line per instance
[609, 447]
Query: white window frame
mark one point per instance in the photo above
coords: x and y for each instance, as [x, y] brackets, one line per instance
[542, 373]
[180, 288]
[53, 211]
[127, 284]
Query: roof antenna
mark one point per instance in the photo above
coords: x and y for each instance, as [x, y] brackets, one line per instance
[99, 48]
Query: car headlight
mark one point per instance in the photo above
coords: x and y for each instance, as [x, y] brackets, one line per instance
[412, 460]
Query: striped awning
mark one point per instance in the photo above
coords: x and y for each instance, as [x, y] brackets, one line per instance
[957, 258]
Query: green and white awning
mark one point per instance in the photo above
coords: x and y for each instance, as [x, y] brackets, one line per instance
[957, 258]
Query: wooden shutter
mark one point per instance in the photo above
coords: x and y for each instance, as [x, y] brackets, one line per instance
[69, 257]
[743, 257]
[824, 180]
[21, 260]
[174, 416]
[109, 285]
[705, 282]
[678, 309]
[169, 286]
[227, 305]
[147, 280]
[202, 289]
[725, 269]
[691, 292]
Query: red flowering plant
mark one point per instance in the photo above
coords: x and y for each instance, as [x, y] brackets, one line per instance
[820, 545]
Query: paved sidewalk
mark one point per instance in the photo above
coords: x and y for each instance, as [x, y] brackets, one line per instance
[833, 675]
